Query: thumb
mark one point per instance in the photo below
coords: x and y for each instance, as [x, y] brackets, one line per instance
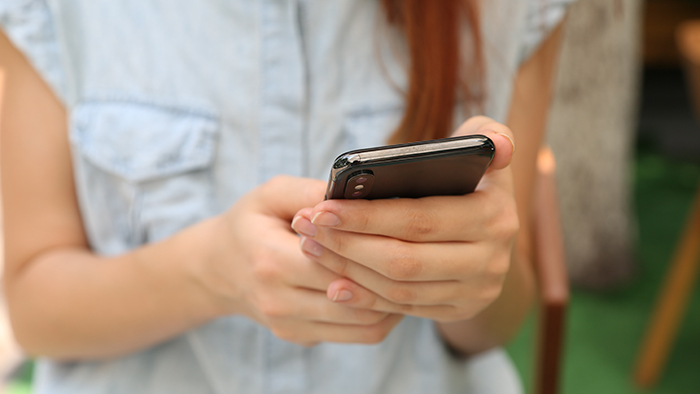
[283, 196]
[500, 134]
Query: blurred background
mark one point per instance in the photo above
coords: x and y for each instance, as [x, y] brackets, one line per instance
[625, 130]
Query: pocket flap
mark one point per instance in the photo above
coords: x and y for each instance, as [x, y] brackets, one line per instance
[141, 142]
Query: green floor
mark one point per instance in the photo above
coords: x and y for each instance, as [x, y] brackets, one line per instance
[604, 330]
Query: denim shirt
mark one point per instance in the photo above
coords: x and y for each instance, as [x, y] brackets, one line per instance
[177, 108]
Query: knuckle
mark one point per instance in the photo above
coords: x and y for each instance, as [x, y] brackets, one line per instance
[460, 315]
[337, 242]
[370, 317]
[402, 263]
[452, 316]
[405, 308]
[451, 295]
[375, 334]
[273, 184]
[278, 180]
[371, 301]
[491, 292]
[500, 127]
[314, 191]
[504, 222]
[272, 309]
[362, 222]
[401, 294]
[267, 271]
[465, 310]
[419, 223]
[500, 266]
[285, 334]
[343, 267]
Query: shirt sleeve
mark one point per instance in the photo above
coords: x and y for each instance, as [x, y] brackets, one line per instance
[542, 17]
[30, 26]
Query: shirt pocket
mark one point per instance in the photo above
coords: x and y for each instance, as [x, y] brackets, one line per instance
[143, 171]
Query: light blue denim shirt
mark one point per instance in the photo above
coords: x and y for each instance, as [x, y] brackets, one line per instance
[178, 108]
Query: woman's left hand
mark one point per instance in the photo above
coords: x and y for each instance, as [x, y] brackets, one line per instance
[443, 257]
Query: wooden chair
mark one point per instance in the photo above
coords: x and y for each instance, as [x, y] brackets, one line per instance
[550, 269]
[671, 304]
[683, 272]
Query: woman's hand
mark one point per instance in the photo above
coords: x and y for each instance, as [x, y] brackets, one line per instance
[257, 270]
[70, 303]
[443, 258]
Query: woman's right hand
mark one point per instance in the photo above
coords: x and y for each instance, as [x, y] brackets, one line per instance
[256, 269]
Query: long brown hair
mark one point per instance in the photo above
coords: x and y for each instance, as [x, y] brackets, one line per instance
[438, 76]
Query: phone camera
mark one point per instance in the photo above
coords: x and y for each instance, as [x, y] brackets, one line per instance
[359, 184]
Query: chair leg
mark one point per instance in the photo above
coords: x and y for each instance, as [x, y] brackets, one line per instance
[671, 304]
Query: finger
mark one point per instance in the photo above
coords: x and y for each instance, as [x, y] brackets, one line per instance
[305, 212]
[365, 299]
[498, 174]
[315, 306]
[367, 334]
[405, 261]
[419, 262]
[290, 266]
[500, 134]
[283, 196]
[395, 292]
[473, 217]
[304, 227]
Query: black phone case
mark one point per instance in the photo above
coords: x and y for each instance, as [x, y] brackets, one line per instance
[450, 166]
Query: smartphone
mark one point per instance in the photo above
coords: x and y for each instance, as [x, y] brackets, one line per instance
[443, 167]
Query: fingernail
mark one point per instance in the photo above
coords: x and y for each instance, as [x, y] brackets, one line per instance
[325, 219]
[311, 247]
[342, 295]
[303, 226]
[509, 139]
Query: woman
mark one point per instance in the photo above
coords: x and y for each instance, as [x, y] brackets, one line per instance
[148, 235]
